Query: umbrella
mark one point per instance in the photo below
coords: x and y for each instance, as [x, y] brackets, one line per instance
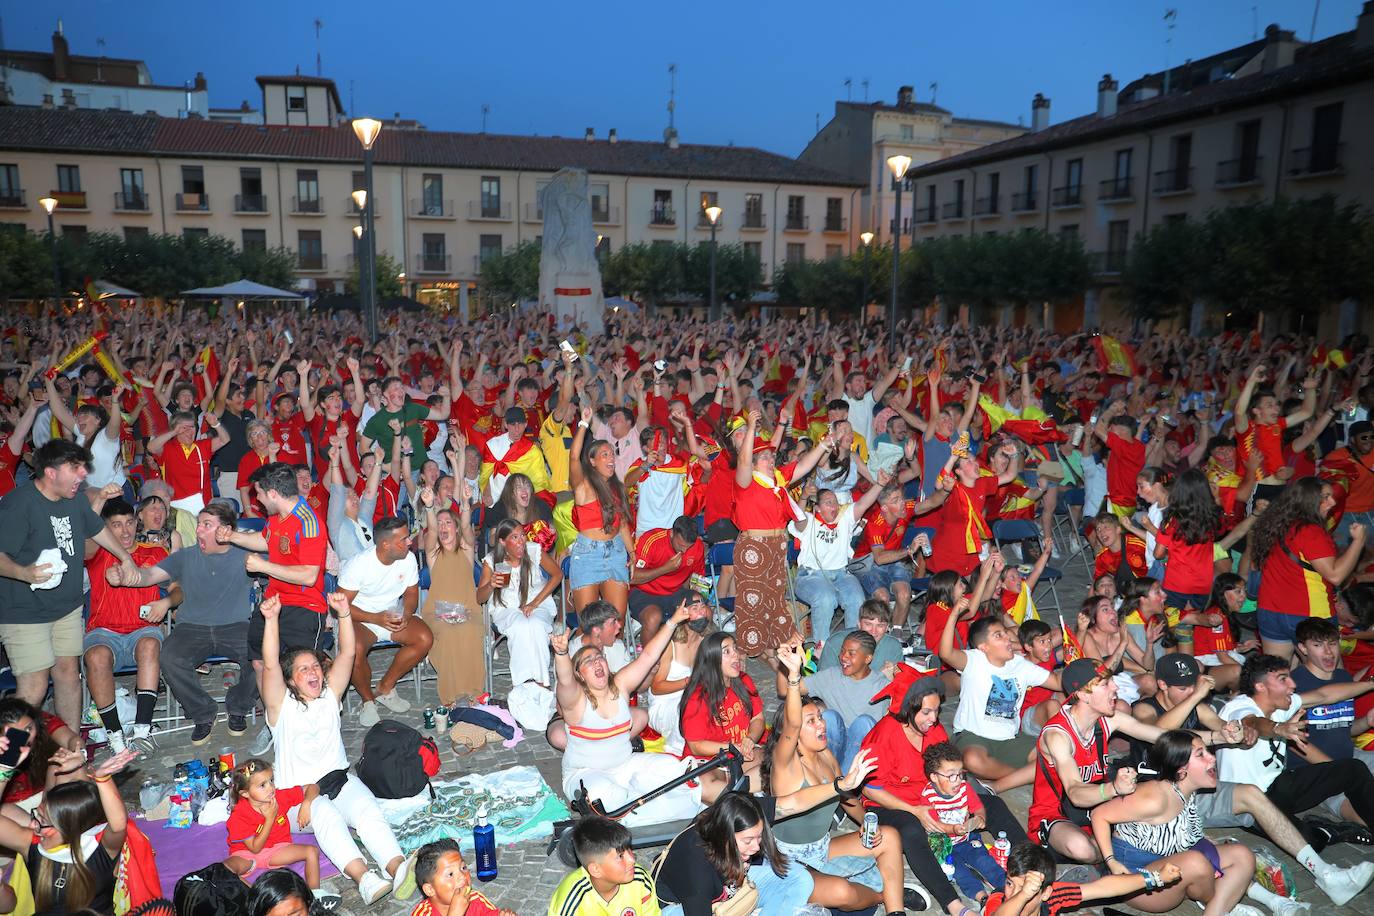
[242, 289]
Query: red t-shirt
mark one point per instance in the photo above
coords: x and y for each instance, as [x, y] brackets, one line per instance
[1211, 640]
[758, 507]
[654, 548]
[901, 771]
[114, 608]
[297, 539]
[186, 468]
[20, 786]
[1063, 896]
[1037, 695]
[388, 497]
[961, 515]
[937, 615]
[1125, 461]
[290, 435]
[9, 461]
[1288, 588]
[879, 533]
[245, 822]
[322, 430]
[1108, 562]
[1268, 440]
[248, 464]
[730, 723]
[720, 489]
[1188, 568]
[318, 498]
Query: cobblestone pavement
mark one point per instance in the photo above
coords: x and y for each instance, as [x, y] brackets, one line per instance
[528, 877]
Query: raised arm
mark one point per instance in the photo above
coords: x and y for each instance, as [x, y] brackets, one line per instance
[341, 671]
[58, 407]
[633, 674]
[273, 680]
[950, 654]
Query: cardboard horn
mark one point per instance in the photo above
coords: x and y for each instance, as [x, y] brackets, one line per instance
[76, 353]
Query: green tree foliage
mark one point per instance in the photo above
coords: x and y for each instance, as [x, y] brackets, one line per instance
[388, 278]
[512, 275]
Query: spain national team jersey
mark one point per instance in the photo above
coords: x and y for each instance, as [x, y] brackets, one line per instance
[297, 539]
[187, 468]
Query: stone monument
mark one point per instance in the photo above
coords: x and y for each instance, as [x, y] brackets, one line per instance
[569, 275]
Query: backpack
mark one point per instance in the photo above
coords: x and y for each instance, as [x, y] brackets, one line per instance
[397, 761]
[212, 891]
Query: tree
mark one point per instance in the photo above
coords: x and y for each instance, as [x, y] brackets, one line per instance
[647, 272]
[1167, 269]
[25, 265]
[512, 275]
[269, 266]
[388, 278]
[738, 273]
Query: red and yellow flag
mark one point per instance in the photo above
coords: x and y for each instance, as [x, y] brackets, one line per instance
[1115, 357]
[1073, 650]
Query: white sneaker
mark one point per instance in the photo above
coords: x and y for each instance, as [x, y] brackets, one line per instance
[262, 743]
[1245, 909]
[1054, 551]
[398, 880]
[140, 738]
[116, 742]
[393, 702]
[368, 717]
[1342, 884]
[373, 887]
[1289, 907]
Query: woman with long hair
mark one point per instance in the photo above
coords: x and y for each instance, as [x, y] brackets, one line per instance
[98, 430]
[1298, 561]
[720, 705]
[840, 470]
[674, 670]
[1152, 487]
[449, 553]
[518, 502]
[1101, 634]
[517, 586]
[156, 524]
[48, 735]
[280, 892]
[599, 561]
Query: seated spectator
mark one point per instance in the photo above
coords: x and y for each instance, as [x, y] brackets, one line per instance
[958, 814]
[875, 618]
[261, 451]
[517, 586]
[885, 571]
[608, 880]
[848, 691]
[382, 587]
[280, 892]
[1032, 891]
[599, 626]
[124, 628]
[673, 671]
[159, 522]
[1101, 635]
[1038, 645]
[517, 502]
[665, 559]
[1330, 726]
[824, 583]
[442, 875]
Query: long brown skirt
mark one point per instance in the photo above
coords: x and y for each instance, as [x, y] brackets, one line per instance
[457, 653]
[762, 617]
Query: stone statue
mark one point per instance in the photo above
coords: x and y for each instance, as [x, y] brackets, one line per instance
[569, 275]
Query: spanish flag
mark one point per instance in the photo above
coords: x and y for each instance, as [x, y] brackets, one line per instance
[1073, 650]
[996, 414]
[1024, 609]
[1115, 357]
[205, 373]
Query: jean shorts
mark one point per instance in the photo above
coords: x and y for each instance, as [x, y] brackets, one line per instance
[1278, 627]
[862, 870]
[593, 562]
[121, 644]
[873, 576]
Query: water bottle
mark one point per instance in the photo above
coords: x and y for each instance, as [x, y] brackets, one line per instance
[484, 841]
[1001, 849]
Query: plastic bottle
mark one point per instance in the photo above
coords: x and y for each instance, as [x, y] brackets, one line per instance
[1001, 848]
[484, 841]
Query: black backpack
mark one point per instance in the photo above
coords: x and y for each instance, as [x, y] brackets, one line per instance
[397, 760]
[212, 891]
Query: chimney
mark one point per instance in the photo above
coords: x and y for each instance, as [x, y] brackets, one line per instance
[611, 136]
[591, 134]
[1364, 26]
[47, 100]
[905, 96]
[1279, 46]
[1106, 96]
[200, 85]
[1040, 113]
[671, 136]
[60, 54]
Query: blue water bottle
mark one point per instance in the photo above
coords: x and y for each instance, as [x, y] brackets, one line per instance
[484, 841]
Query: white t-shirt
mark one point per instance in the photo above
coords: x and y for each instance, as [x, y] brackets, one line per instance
[617, 656]
[379, 586]
[1262, 764]
[1156, 516]
[861, 414]
[823, 547]
[107, 460]
[990, 697]
[1094, 486]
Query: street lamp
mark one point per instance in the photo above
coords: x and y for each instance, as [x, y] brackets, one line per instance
[713, 216]
[360, 250]
[49, 204]
[866, 237]
[367, 130]
[898, 165]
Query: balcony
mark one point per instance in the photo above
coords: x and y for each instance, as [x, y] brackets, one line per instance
[953, 210]
[1117, 189]
[753, 219]
[1070, 195]
[250, 203]
[836, 224]
[490, 210]
[188, 202]
[1025, 202]
[1173, 181]
[662, 216]
[605, 215]
[926, 214]
[1235, 173]
[12, 199]
[534, 213]
[433, 263]
[311, 262]
[1315, 161]
[987, 206]
[131, 202]
[431, 208]
[70, 200]
[307, 206]
[797, 222]
[1108, 263]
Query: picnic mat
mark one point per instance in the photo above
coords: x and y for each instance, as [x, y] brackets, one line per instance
[520, 805]
[182, 850]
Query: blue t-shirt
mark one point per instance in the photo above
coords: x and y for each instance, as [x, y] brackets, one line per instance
[1328, 726]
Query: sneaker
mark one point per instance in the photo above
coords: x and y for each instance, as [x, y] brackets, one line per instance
[403, 882]
[1244, 909]
[325, 901]
[393, 702]
[373, 887]
[201, 733]
[140, 738]
[262, 743]
[369, 717]
[116, 742]
[915, 899]
[1289, 907]
[238, 725]
[1342, 884]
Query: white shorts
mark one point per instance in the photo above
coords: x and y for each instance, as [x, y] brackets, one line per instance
[1127, 690]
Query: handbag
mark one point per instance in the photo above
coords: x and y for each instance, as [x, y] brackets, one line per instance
[744, 901]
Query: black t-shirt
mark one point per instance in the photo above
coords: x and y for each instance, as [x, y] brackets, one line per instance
[29, 524]
[689, 879]
[231, 453]
[102, 867]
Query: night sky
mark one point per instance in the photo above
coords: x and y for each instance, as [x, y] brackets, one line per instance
[749, 72]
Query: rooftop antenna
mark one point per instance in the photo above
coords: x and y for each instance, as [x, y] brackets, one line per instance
[848, 89]
[865, 85]
[99, 75]
[934, 88]
[319, 70]
[486, 110]
[350, 96]
[672, 93]
[1316, 8]
[818, 122]
[1254, 22]
[1170, 17]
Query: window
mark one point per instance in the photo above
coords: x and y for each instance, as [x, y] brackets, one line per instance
[929, 213]
[295, 98]
[708, 199]
[192, 179]
[434, 252]
[11, 195]
[663, 243]
[1123, 163]
[991, 203]
[488, 246]
[195, 232]
[1179, 175]
[796, 252]
[69, 179]
[796, 212]
[834, 252]
[307, 191]
[601, 204]
[1326, 138]
[959, 193]
[131, 190]
[133, 233]
[250, 198]
[491, 196]
[754, 250]
[834, 214]
[908, 132]
[1247, 151]
[1073, 174]
[359, 184]
[1069, 232]
[662, 212]
[1031, 178]
[255, 240]
[1118, 235]
[432, 195]
[309, 250]
[76, 233]
[753, 211]
[1026, 199]
[1118, 187]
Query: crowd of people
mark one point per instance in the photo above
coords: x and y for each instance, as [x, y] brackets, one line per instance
[635, 515]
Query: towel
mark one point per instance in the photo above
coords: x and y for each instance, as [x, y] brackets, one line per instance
[51, 557]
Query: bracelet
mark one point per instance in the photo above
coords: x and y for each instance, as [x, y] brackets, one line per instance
[1102, 787]
[560, 654]
[1109, 858]
[583, 424]
[343, 616]
[792, 683]
[6, 773]
[1152, 880]
[843, 793]
[100, 778]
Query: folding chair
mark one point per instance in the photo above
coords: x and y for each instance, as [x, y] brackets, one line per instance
[721, 554]
[1015, 529]
[1064, 528]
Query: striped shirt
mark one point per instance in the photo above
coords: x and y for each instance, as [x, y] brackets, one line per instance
[951, 809]
[1063, 896]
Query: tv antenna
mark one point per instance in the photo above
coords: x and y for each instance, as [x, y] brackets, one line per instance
[865, 85]
[1170, 17]
[672, 93]
[934, 88]
[319, 69]
[486, 110]
[1316, 8]
[848, 89]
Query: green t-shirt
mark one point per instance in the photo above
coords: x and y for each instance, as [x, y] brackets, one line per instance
[411, 415]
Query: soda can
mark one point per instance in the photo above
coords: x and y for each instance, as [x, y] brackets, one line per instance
[226, 759]
[870, 830]
[926, 549]
[441, 715]
[429, 717]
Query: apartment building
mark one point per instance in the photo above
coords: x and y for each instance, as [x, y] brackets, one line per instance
[1274, 117]
[445, 201]
[858, 140]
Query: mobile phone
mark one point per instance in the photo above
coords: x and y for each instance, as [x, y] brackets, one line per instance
[18, 739]
[568, 348]
[290, 341]
[906, 364]
[660, 365]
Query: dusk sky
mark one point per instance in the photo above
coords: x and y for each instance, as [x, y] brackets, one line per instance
[749, 72]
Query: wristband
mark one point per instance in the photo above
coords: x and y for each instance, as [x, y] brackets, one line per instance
[1109, 858]
[100, 778]
[792, 683]
[1152, 880]
[583, 424]
[6, 773]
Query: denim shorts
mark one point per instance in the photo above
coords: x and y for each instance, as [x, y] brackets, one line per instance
[873, 576]
[121, 644]
[593, 562]
[1182, 600]
[1277, 627]
[861, 870]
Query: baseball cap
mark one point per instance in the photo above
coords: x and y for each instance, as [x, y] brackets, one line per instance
[1177, 669]
[1363, 427]
[1081, 672]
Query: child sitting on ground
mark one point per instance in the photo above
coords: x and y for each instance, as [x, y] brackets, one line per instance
[1038, 642]
[961, 813]
[442, 876]
[1031, 889]
[609, 883]
[259, 833]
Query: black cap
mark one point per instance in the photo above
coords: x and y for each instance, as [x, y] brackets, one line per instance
[1177, 669]
[1361, 428]
[1080, 672]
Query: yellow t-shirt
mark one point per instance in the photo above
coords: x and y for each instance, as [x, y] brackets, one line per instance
[555, 440]
[575, 896]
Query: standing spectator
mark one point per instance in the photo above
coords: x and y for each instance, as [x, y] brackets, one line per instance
[98, 431]
[231, 401]
[599, 561]
[1355, 464]
[186, 459]
[259, 451]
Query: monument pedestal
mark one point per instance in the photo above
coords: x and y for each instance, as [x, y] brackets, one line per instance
[576, 299]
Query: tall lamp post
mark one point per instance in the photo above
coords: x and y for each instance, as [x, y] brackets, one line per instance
[866, 238]
[713, 215]
[898, 165]
[367, 130]
[364, 262]
[49, 204]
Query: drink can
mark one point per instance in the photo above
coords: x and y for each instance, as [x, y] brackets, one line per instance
[441, 715]
[926, 548]
[870, 830]
[226, 759]
[429, 717]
